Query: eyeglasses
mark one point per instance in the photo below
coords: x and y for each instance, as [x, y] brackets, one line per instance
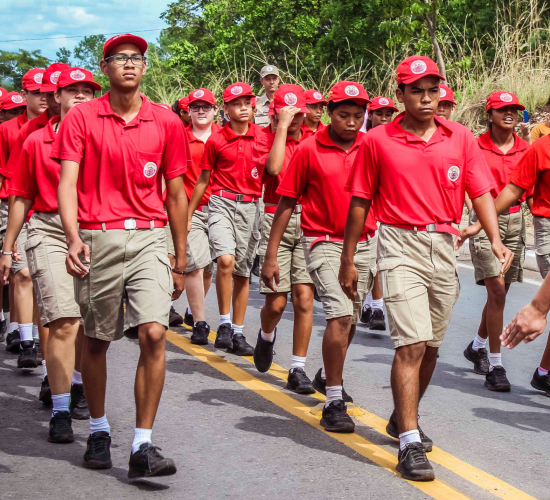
[206, 108]
[122, 59]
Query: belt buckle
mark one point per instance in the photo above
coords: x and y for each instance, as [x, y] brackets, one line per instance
[130, 224]
[431, 227]
[298, 209]
[239, 197]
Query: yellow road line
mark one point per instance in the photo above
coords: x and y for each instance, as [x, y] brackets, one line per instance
[490, 483]
[436, 489]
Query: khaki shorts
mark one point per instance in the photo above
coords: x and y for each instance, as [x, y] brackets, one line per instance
[417, 273]
[198, 246]
[512, 234]
[233, 229]
[46, 254]
[542, 243]
[3, 217]
[19, 265]
[323, 265]
[169, 240]
[290, 254]
[128, 267]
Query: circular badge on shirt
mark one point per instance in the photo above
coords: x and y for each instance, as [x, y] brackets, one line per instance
[38, 77]
[236, 90]
[506, 97]
[54, 77]
[442, 92]
[453, 173]
[198, 94]
[17, 99]
[318, 96]
[383, 101]
[150, 169]
[418, 67]
[351, 90]
[254, 173]
[291, 99]
[77, 75]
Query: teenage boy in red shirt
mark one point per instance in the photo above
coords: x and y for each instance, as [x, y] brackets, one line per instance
[317, 175]
[114, 152]
[233, 212]
[315, 102]
[447, 103]
[416, 207]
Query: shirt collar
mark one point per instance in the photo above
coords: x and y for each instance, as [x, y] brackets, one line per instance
[395, 129]
[22, 119]
[323, 137]
[229, 134]
[485, 142]
[50, 134]
[145, 113]
[192, 138]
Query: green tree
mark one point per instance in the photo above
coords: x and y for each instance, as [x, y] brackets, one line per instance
[63, 55]
[13, 65]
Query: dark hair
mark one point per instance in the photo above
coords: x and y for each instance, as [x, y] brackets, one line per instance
[401, 87]
[369, 121]
[490, 124]
[176, 107]
[331, 106]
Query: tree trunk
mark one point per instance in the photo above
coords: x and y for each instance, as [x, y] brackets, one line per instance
[431, 23]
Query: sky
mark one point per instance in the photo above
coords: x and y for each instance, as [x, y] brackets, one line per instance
[23, 19]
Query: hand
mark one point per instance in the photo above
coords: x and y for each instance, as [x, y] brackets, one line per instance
[504, 255]
[179, 285]
[5, 267]
[270, 272]
[348, 278]
[16, 256]
[524, 130]
[189, 225]
[528, 324]
[75, 267]
[468, 232]
[286, 115]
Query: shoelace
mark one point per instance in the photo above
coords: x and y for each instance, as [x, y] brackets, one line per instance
[300, 375]
[63, 422]
[151, 452]
[99, 445]
[417, 453]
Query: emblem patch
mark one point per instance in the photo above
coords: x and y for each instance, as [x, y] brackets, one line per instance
[38, 77]
[54, 77]
[383, 101]
[442, 92]
[254, 173]
[198, 94]
[17, 99]
[291, 99]
[418, 67]
[318, 96]
[77, 75]
[150, 169]
[352, 91]
[506, 97]
[453, 173]
[237, 90]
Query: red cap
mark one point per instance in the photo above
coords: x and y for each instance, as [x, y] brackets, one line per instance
[32, 79]
[345, 90]
[236, 90]
[12, 100]
[382, 102]
[416, 67]
[49, 80]
[126, 38]
[446, 94]
[315, 97]
[290, 94]
[253, 102]
[183, 103]
[202, 95]
[271, 111]
[76, 75]
[502, 99]
[3, 91]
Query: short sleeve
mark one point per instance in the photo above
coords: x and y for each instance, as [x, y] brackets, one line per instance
[526, 172]
[260, 153]
[3, 148]
[176, 157]
[210, 155]
[535, 132]
[295, 180]
[23, 182]
[479, 179]
[8, 169]
[71, 137]
[363, 178]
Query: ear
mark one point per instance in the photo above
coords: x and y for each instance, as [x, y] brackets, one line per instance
[57, 97]
[103, 66]
[399, 95]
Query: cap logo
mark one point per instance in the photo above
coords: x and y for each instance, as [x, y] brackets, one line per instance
[198, 94]
[38, 77]
[0, 92]
[418, 67]
[453, 173]
[318, 96]
[17, 99]
[254, 173]
[269, 68]
[150, 169]
[506, 97]
[290, 99]
[442, 92]
[352, 91]
[383, 101]
[54, 77]
[77, 75]
[237, 90]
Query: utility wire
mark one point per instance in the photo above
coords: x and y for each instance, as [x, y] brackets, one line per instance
[73, 36]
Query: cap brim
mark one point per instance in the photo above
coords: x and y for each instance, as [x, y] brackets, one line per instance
[48, 87]
[233, 97]
[357, 100]
[136, 40]
[91, 83]
[374, 107]
[446, 99]
[503, 104]
[414, 78]
[13, 105]
[302, 109]
[33, 87]
[324, 103]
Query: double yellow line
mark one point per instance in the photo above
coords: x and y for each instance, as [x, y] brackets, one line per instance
[377, 454]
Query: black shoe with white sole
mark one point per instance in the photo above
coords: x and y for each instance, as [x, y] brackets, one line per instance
[336, 419]
[413, 463]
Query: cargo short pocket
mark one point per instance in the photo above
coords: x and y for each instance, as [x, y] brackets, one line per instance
[164, 273]
[36, 254]
[391, 274]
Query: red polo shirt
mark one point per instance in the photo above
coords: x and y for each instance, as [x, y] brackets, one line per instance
[308, 132]
[36, 177]
[8, 135]
[317, 173]
[259, 155]
[533, 170]
[415, 182]
[229, 156]
[119, 161]
[501, 164]
[190, 177]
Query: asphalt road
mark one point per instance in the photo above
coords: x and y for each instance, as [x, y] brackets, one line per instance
[235, 433]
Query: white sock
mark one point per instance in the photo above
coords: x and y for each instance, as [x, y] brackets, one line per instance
[225, 318]
[409, 437]
[479, 343]
[25, 331]
[99, 424]
[35, 336]
[323, 374]
[378, 304]
[2, 318]
[44, 369]
[368, 301]
[13, 326]
[494, 360]
[542, 371]
[141, 436]
[189, 310]
[268, 337]
[334, 393]
[298, 362]
[77, 378]
[237, 329]
[172, 304]
[60, 402]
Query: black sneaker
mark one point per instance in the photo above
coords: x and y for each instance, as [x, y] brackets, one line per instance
[175, 318]
[541, 382]
[240, 346]
[365, 315]
[263, 352]
[3, 330]
[299, 382]
[496, 380]
[413, 463]
[148, 462]
[479, 358]
[98, 451]
[79, 405]
[377, 321]
[223, 337]
[38, 352]
[45, 392]
[12, 342]
[393, 431]
[320, 385]
[27, 355]
[336, 419]
[256, 266]
[200, 333]
[61, 430]
[188, 319]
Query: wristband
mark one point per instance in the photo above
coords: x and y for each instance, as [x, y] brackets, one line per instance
[175, 271]
[6, 253]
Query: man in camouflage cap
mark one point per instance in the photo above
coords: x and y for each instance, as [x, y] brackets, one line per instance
[269, 78]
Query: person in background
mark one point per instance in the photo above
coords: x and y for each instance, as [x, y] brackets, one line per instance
[315, 102]
[447, 103]
[181, 108]
[270, 80]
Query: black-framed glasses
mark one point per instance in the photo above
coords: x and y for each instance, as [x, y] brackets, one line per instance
[122, 59]
[206, 108]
